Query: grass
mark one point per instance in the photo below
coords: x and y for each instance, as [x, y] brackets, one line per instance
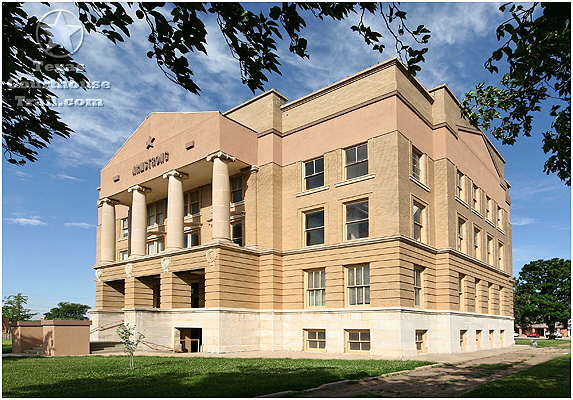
[100, 376]
[6, 345]
[544, 342]
[549, 379]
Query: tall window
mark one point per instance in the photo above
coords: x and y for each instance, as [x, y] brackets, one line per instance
[314, 227]
[316, 288]
[314, 173]
[460, 185]
[417, 229]
[475, 198]
[191, 203]
[357, 220]
[357, 161]
[500, 256]
[490, 250]
[488, 208]
[490, 294]
[124, 227]
[237, 189]
[478, 338]
[155, 247]
[156, 213]
[477, 239]
[417, 286]
[477, 296]
[315, 339]
[191, 239]
[237, 233]
[358, 285]
[421, 341]
[461, 236]
[461, 291]
[416, 164]
[358, 340]
[463, 341]
[500, 217]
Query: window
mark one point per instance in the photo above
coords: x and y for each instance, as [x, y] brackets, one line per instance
[417, 228]
[237, 189]
[357, 220]
[502, 336]
[488, 208]
[475, 198]
[123, 255]
[417, 286]
[358, 340]
[124, 227]
[156, 213]
[316, 339]
[461, 230]
[359, 285]
[463, 341]
[314, 173]
[477, 296]
[460, 185]
[191, 203]
[316, 288]
[490, 250]
[500, 301]
[500, 256]
[357, 161]
[489, 299]
[314, 227]
[416, 164]
[477, 238]
[191, 239]
[421, 341]
[237, 233]
[478, 338]
[500, 217]
[461, 291]
[155, 247]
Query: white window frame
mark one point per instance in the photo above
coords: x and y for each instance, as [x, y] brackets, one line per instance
[363, 340]
[418, 286]
[187, 239]
[315, 336]
[313, 174]
[421, 342]
[417, 169]
[157, 245]
[500, 255]
[189, 202]
[476, 198]
[124, 227]
[357, 221]
[237, 189]
[360, 287]
[307, 230]
[490, 250]
[235, 238]
[421, 208]
[477, 242]
[460, 185]
[461, 234]
[152, 212]
[461, 302]
[356, 161]
[316, 289]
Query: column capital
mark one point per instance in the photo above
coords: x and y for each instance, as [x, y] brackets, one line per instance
[139, 189]
[221, 155]
[176, 174]
[107, 200]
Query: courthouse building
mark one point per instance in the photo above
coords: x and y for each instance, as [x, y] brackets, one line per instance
[365, 217]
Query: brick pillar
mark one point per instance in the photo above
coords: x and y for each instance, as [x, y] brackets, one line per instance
[137, 293]
[175, 291]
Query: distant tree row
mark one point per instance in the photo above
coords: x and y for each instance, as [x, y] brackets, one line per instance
[14, 308]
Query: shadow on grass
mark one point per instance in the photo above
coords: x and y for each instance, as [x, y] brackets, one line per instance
[167, 377]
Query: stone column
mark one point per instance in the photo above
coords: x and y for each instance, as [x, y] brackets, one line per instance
[221, 196]
[108, 238]
[138, 220]
[175, 215]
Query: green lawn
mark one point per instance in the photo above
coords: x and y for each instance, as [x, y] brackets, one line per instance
[545, 342]
[100, 376]
[6, 345]
[549, 379]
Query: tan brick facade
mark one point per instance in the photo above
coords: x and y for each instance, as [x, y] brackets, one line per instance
[405, 185]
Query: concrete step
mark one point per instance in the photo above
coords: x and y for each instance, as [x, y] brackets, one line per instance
[35, 351]
[99, 347]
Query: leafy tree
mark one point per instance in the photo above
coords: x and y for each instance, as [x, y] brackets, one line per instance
[537, 49]
[176, 31]
[543, 290]
[67, 310]
[130, 340]
[13, 308]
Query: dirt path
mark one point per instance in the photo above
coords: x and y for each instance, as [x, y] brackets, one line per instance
[444, 380]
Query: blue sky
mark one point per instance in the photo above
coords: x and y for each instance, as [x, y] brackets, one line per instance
[49, 212]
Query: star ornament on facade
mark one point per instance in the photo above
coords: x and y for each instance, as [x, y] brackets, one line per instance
[149, 143]
[66, 30]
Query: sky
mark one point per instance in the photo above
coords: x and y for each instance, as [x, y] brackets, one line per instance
[49, 212]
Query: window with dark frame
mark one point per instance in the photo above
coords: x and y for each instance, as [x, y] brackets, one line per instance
[316, 339]
[124, 227]
[460, 185]
[357, 220]
[191, 203]
[314, 227]
[237, 189]
[314, 173]
[357, 161]
[191, 239]
[156, 213]
[417, 286]
[358, 340]
[237, 233]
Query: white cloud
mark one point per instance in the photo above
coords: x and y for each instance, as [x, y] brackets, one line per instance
[22, 174]
[67, 177]
[34, 221]
[83, 225]
[517, 221]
